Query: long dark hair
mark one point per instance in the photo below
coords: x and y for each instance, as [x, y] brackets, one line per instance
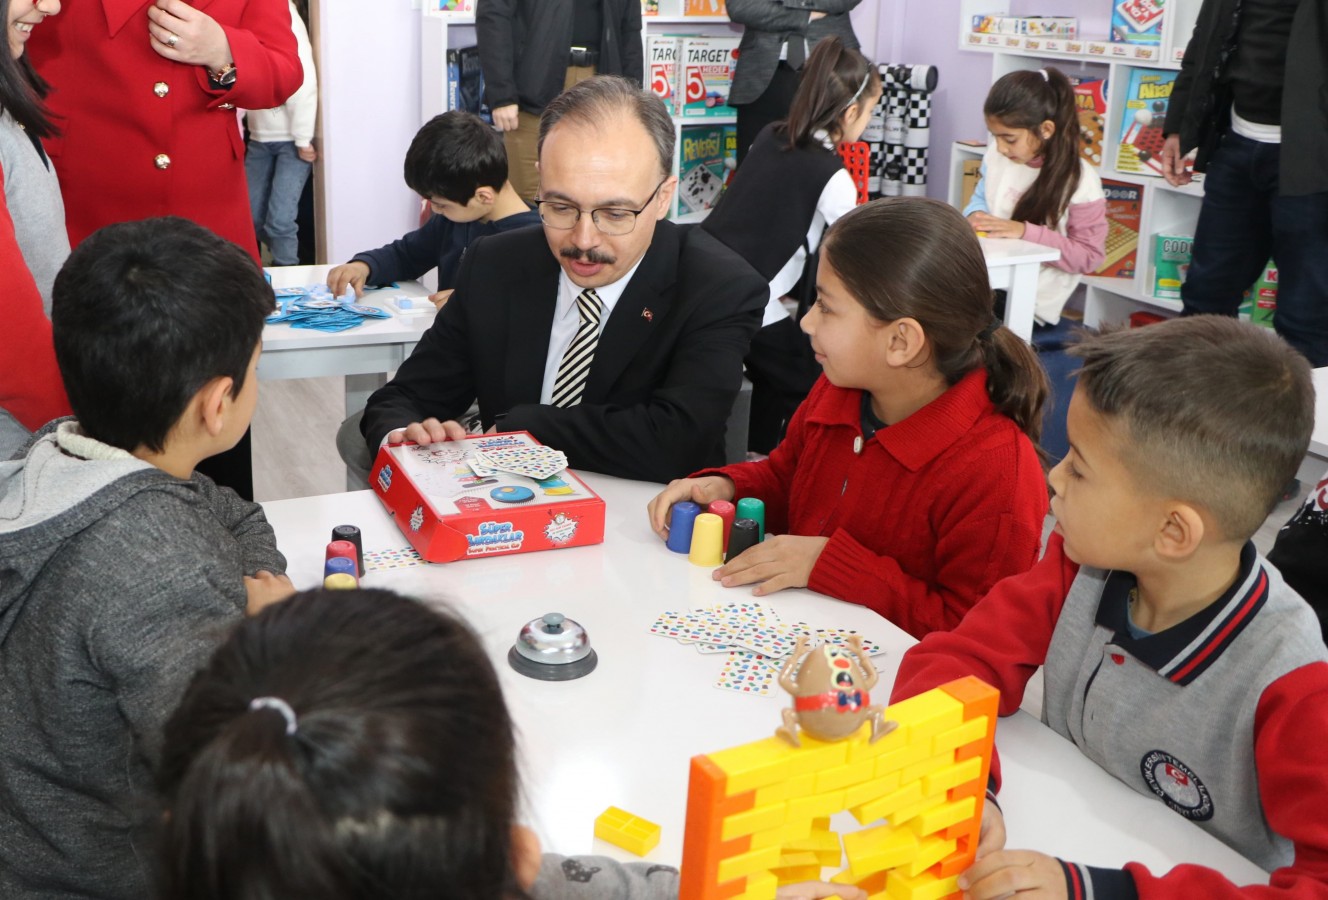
[22, 90]
[396, 778]
[1026, 100]
[934, 272]
[834, 78]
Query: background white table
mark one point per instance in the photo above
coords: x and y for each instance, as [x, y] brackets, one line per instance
[364, 354]
[624, 734]
[1012, 266]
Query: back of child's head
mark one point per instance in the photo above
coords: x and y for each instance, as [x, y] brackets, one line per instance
[349, 744]
[910, 257]
[1210, 410]
[1026, 99]
[834, 78]
[146, 313]
[454, 155]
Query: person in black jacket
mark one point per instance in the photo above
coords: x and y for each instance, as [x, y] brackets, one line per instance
[1252, 98]
[457, 163]
[609, 334]
[531, 50]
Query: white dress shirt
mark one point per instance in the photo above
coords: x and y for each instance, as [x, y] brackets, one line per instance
[566, 320]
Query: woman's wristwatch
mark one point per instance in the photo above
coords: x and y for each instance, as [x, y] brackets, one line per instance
[223, 77]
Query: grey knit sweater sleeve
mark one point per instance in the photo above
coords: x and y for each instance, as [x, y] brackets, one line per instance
[596, 877]
[244, 520]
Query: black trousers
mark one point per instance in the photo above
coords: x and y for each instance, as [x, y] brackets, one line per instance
[772, 106]
[782, 369]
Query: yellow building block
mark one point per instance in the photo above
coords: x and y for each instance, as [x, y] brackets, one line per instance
[862, 747]
[823, 843]
[797, 786]
[926, 715]
[939, 818]
[622, 829]
[871, 790]
[970, 731]
[753, 765]
[907, 795]
[883, 847]
[796, 874]
[845, 776]
[922, 768]
[814, 756]
[816, 805]
[761, 886]
[931, 850]
[748, 863]
[907, 813]
[753, 820]
[907, 755]
[952, 776]
[899, 886]
[798, 858]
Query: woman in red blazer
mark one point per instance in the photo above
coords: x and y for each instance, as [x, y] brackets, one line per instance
[144, 94]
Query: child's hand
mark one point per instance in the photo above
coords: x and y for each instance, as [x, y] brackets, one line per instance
[351, 274]
[783, 561]
[308, 154]
[818, 890]
[698, 490]
[992, 835]
[994, 227]
[264, 589]
[1173, 164]
[439, 300]
[1033, 876]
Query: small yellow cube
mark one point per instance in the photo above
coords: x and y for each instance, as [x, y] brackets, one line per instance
[622, 829]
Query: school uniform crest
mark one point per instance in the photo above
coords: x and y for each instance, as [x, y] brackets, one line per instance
[1177, 785]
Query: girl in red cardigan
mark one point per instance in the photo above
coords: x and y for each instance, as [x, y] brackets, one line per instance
[909, 480]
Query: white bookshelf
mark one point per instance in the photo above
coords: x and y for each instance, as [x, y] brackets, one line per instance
[1166, 209]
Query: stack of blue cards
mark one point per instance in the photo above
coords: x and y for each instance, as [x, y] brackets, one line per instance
[315, 307]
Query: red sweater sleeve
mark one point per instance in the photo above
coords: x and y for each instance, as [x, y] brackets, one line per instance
[30, 386]
[1290, 723]
[267, 60]
[1002, 640]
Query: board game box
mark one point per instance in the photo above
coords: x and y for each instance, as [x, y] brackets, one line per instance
[1171, 262]
[662, 51]
[450, 505]
[1146, 98]
[702, 166]
[1137, 21]
[1259, 304]
[1090, 97]
[707, 75]
[1125, 204]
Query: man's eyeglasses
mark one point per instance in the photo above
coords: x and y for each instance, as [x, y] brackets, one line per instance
[611, 220]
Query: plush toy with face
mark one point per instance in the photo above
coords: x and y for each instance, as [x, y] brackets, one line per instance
[830, 687]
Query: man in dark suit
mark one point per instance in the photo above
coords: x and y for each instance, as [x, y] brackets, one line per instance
[608, 333]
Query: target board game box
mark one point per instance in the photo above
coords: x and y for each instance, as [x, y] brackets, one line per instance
[707, 76]
[449, 511]
[662, 52]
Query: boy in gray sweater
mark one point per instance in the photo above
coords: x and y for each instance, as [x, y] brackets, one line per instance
[121, 569]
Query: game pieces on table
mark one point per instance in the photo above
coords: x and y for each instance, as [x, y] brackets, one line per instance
[314, 307]
[706, 543]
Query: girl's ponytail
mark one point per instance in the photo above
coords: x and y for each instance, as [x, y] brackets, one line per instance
[1026, 100]
[1016, 382]
[834, 78]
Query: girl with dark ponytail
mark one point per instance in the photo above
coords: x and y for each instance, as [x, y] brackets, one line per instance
[1036, 186]
[910, 480]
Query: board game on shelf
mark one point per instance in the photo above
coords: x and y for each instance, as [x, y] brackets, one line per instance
[1125, 204]
[1147, 96]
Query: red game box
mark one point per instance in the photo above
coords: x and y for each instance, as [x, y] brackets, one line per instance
[448, 512]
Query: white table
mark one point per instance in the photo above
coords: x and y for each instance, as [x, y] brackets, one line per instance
[623, 735]
[1012, 266]
[364, 354]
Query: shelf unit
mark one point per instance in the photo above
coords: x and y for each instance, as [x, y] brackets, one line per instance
[441, 30]
[1165, 209]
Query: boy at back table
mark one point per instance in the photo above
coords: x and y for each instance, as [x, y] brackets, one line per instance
[121, 568]
[1176, 657]
[458, 164]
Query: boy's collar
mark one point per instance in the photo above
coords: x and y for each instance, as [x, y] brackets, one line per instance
[71, 439]
[1183, 652]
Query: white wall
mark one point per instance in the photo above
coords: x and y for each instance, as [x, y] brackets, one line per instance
[369, 52]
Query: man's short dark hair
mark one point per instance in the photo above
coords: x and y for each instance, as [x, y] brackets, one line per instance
[598, 99]
[454, 155]
[146, 313]
[1212, 411]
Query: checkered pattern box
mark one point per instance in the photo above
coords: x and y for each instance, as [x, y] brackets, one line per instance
[448, 512]
[707, 75]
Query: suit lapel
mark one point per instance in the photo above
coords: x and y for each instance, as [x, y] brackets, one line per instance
[638, 312]
[530, 319]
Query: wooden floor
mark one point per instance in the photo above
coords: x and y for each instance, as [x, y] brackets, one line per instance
[295, 453]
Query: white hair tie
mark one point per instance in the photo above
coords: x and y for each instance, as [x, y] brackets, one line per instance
[1043, 73]
[280, 706]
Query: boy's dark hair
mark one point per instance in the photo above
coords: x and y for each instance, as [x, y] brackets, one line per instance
[834, 78]
[397, 778]
[146, 313]
[1025, 100]
[1213, 411]
[935, 273]
[454, 155]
